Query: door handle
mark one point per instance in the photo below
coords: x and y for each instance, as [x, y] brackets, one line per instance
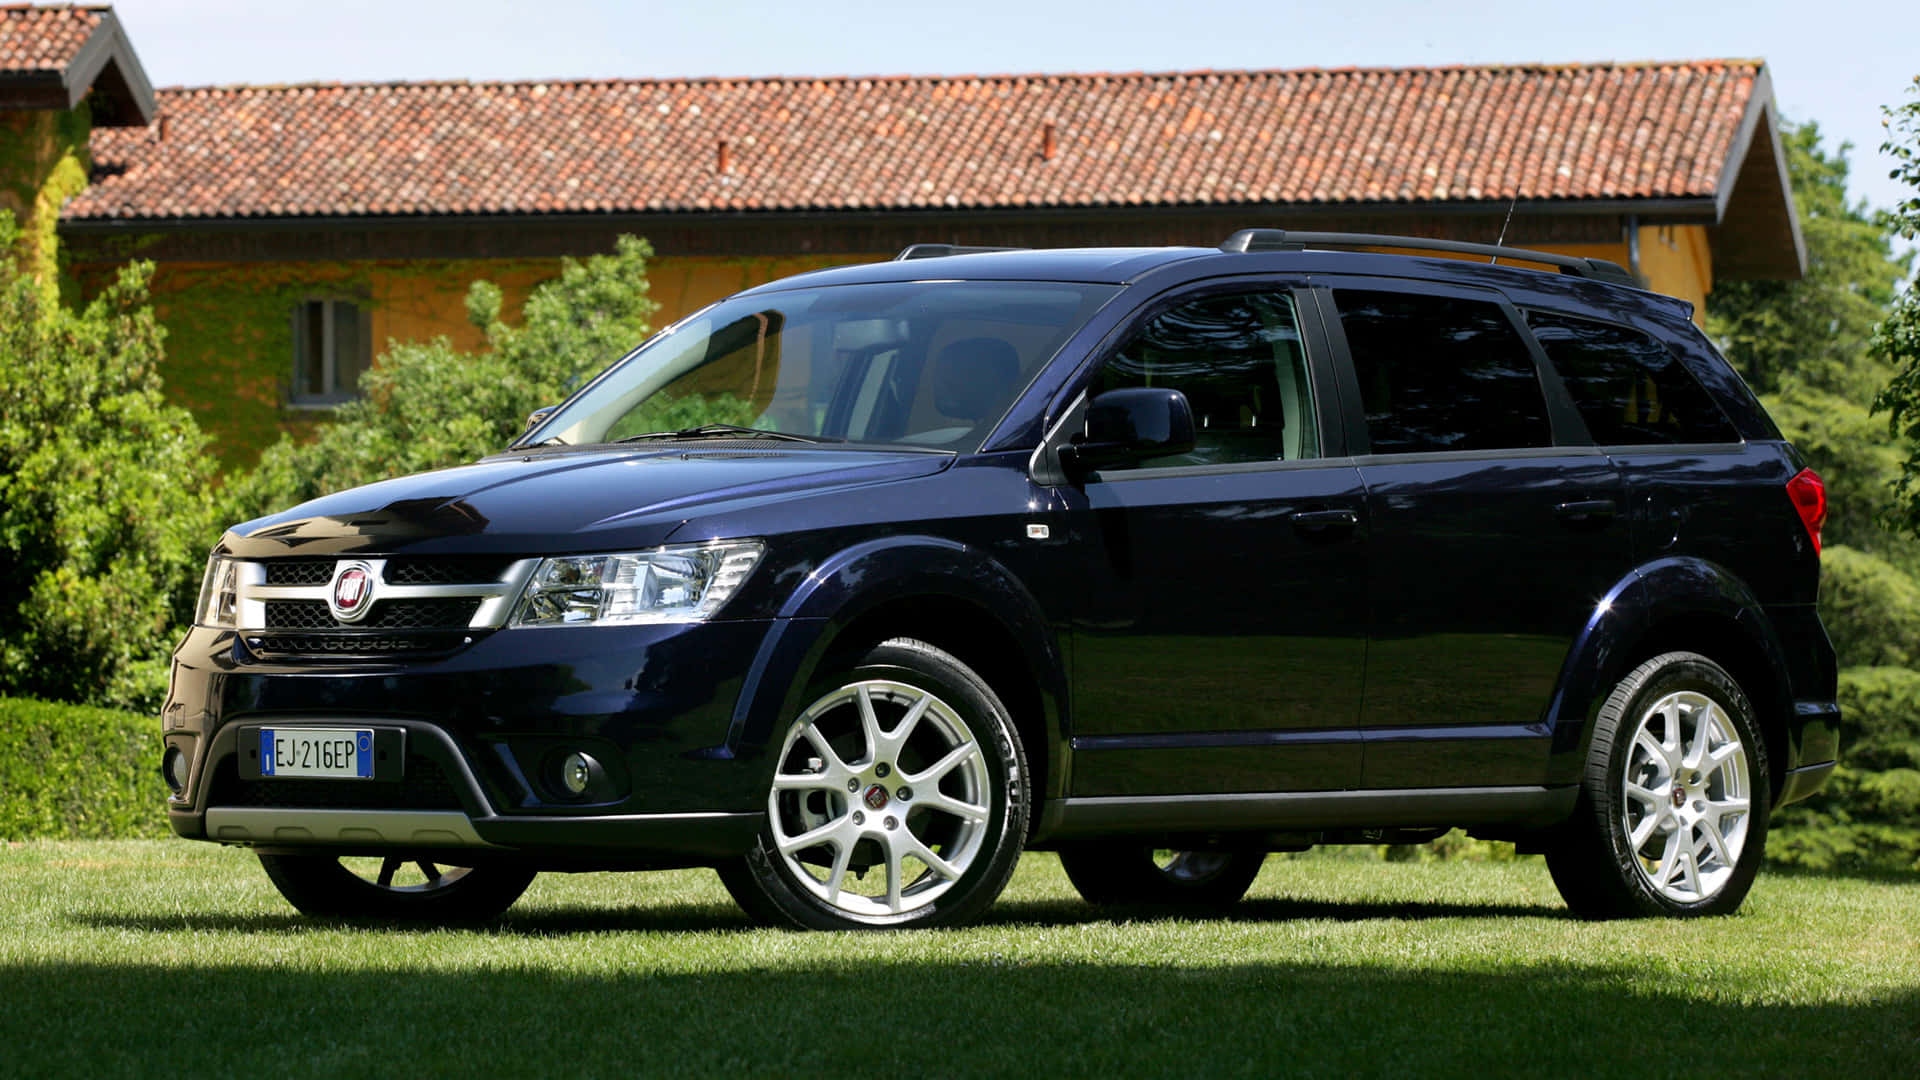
[1324, 519]
[1586, 510]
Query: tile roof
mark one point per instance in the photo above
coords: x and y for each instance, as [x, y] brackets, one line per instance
[1574, 132]
[44, 38]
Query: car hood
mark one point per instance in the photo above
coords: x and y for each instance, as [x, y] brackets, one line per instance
[576, 500]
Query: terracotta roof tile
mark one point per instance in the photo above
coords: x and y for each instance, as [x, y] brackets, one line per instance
[1595, 131]
[44, 38]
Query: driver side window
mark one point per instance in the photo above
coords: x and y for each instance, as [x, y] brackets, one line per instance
[1238, 359]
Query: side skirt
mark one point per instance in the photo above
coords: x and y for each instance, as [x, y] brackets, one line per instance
[1307, 810]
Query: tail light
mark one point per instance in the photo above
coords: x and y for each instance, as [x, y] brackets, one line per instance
[1809, 495]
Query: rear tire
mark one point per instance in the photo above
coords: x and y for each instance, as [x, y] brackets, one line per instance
[1672, 814]
[394, 889]
[1123, 872]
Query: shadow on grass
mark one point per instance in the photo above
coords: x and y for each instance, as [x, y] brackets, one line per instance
[708, 918]
[357, 1014]
[1263, 910]
[539, 922]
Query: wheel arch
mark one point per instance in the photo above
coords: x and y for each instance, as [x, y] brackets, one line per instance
[952, 596]
[1680, 604]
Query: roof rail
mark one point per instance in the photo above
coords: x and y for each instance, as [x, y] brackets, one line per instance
[1285, 240]
[940, 251]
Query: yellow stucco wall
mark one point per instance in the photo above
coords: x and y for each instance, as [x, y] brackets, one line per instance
[1675, 260]
[684, 285]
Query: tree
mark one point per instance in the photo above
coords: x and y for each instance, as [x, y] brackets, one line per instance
[103, 494]
[1896, 343]
[428, 405]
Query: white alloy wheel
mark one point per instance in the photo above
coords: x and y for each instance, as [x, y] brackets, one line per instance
[1686, 796]
[879, 803]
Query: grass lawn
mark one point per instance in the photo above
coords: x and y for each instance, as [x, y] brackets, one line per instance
[169, 958]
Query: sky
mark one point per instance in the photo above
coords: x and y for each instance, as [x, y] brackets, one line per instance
[1835, 62]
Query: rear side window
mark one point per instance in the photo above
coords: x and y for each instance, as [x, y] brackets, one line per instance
[1437, 373]
[1630, 389]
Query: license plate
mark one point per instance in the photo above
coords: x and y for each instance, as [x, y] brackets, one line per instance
[332, 753]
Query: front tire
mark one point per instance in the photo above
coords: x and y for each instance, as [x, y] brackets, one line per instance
[907, 764]
[1122, 872]
[396, 889]
[1672, 815]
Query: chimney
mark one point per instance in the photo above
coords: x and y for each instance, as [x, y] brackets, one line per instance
[724, 162]
[1047, 145]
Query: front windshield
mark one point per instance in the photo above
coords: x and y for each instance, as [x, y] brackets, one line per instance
[929, 364]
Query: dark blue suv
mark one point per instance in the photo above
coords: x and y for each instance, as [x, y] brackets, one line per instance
[857, 584]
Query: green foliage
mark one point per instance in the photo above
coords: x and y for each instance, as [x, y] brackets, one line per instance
[1869, 817]
[429, 405]
[75, 772]
[1871, 608]
[1896, 342]
[664, 412]
[103, 495]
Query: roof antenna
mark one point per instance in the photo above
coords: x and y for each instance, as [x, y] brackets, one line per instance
[1502, 238]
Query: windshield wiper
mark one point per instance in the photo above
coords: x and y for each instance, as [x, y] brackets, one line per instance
[729, 431]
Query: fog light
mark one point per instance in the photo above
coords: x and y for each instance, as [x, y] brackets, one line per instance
[576, 772]
[173, 768]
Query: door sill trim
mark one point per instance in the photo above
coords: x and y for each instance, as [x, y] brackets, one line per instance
[1383, 809]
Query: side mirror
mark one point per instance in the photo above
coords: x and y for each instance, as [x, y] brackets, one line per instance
[534, 420]
[1125, 426]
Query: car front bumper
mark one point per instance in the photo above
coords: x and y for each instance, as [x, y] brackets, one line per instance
[656, 706]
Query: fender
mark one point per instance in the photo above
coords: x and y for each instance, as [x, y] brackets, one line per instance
[859, 579]
[1608, 645]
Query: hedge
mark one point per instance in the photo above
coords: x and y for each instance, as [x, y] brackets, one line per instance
[76, 772]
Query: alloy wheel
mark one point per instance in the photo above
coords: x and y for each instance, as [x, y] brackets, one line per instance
[1687, 797]
[879, 776]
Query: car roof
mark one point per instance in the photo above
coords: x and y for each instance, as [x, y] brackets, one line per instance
[1104, 266]
[1123, 266]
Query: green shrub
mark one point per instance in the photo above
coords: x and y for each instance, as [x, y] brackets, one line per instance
[1868, 818]
[1871, 609]
[103, 495]
[77, 772]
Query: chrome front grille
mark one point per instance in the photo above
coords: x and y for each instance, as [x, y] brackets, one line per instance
[420, 605]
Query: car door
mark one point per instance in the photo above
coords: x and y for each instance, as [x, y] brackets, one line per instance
[1497, 529]
[1221, 639]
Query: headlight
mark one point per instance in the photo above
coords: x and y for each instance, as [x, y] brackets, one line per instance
[667, 585]
[219, 595]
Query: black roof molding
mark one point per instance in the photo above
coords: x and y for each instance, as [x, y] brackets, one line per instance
[106, 65]
[1246, 240]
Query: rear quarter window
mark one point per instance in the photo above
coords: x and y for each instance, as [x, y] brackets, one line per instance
[1630, 389]
[1440, 374]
